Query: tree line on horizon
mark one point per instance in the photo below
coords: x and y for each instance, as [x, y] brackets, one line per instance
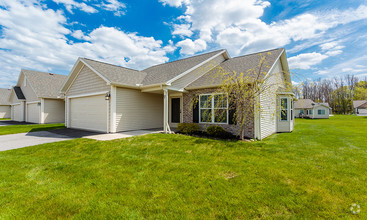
[339, 92]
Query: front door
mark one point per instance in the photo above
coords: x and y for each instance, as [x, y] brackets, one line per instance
[175, 110]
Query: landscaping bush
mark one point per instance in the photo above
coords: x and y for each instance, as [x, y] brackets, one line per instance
[216, 131]
[188, 128]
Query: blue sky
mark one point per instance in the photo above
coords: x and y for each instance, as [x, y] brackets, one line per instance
[323, 39]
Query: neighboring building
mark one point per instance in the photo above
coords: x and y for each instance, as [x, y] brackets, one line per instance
[36, 98]
[360, 107]
[5, 103]
[306, 108]
[108, 98]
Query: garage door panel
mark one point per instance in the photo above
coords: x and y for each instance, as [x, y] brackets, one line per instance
[33, 113]
[89, 113]
[17, 112]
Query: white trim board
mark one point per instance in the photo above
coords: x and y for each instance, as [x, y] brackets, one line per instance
[87, 94]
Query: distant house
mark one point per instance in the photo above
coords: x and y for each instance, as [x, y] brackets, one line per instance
[36, 98]
[4, 103]
[360, 107]
[108, 98]
[306, 108]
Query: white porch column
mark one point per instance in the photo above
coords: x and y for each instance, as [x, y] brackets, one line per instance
[165, 111]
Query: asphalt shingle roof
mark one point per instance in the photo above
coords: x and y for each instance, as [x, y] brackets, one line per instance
[237, 65]
[4, 96]
[304, 103]
[164, 72]
[117, 74]
[358, 103]
[45, 85]
[307, 103]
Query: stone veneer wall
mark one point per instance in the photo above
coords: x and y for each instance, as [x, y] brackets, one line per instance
[234, 128]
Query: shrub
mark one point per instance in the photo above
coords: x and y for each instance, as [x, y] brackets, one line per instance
[188, 128]
[216, 131]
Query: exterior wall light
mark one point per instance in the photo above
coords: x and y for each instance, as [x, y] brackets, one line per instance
[107, 97]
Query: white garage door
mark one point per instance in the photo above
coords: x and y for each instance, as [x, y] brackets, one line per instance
[5, 111]
[89, 113]
[17, 112]
[33, 113]
[362, 112]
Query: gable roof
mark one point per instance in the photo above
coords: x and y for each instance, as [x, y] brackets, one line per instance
[241, 64]
[116, 74]
[304, 103]
[308, 103]
[358, 103]
[158, 74]
[45, 85]
[164, 72]
[363, 105]
[5, 96]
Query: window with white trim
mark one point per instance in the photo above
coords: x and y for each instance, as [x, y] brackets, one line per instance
[213, 108]
[291, 109]
[321, 112]
[284, 109]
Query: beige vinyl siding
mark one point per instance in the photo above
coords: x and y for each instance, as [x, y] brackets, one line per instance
[296, 113]
[137, 110]
[86, 82]
[33, 113]
[89, 113]
[5, 111]
[268, 101]
[316, 115]
[197, 73]
[54, 111]
[27, 90]
[13, 98]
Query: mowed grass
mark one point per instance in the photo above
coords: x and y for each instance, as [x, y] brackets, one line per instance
[1, 119]
[15, 129]
[317, 171]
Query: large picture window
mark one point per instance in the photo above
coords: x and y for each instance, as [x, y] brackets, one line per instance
[284, 109]
[213, 108]
[321, 112]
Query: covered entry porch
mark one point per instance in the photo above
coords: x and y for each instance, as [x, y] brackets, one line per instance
[172, 107]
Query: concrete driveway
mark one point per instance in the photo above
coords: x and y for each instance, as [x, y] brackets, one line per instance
[14, 141]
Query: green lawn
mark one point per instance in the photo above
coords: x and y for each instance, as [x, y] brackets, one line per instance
[317, 171]
[15, 129]
[4, 119]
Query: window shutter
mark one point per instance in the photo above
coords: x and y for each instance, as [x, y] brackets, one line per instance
[195, 113]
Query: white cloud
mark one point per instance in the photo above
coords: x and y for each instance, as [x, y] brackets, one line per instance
[182, 30]
[71, 4]
[114, 5]
[237, 26]
[306, 60]
[189, 47]
[355, 66]
[174, 3]
[46, 47]
[334, 52]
